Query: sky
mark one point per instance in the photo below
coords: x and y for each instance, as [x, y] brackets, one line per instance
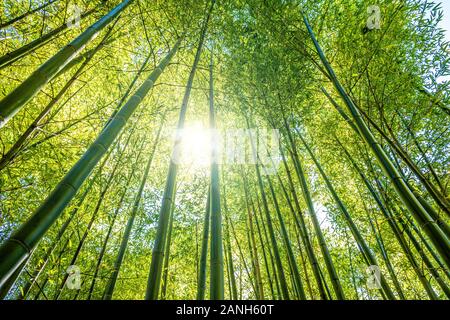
[445, 23]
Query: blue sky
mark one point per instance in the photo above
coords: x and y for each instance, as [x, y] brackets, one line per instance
[445, 23]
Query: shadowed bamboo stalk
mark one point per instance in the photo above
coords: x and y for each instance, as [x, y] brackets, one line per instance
[167, 256]
[19, 246]
[15, 100]
[216, 255]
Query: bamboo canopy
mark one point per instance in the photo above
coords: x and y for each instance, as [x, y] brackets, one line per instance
[213, 150]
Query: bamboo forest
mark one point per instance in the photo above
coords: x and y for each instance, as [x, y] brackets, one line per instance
[224, 150]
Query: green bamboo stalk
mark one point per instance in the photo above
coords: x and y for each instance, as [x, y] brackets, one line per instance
[216, 255]
[391, 221]
[167, 256]
[231, 271]
[422, 152]
[254, 277]
[242, 256]
[112, 223]
[377, 233]
[15, 100]
[263, 249]
[438, 238]
[424, 257]
[430, 250]
[304, 264]
[251, 231]
[58, 260]
[268, 244]
[21, 243]
[40, 268]
[201, 286]
[296, 274]
[154, 278]
[12, 280]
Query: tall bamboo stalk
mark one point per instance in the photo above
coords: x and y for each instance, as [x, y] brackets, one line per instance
[216, 255]
[301, 225]
[252, 242]
[167, 256]
[94, 216]
[391, 221]
[298, 285]
[263, 249]
[228, 253]
[112, 223]
[279, 264]
[201, 286]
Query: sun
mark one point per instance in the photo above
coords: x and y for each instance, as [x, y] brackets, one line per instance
[195, 146]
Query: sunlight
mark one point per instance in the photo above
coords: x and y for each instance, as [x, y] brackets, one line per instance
[195, 147]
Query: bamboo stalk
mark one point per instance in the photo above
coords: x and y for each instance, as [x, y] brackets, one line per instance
[216, 255]
[12, 153]
[201, 286]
